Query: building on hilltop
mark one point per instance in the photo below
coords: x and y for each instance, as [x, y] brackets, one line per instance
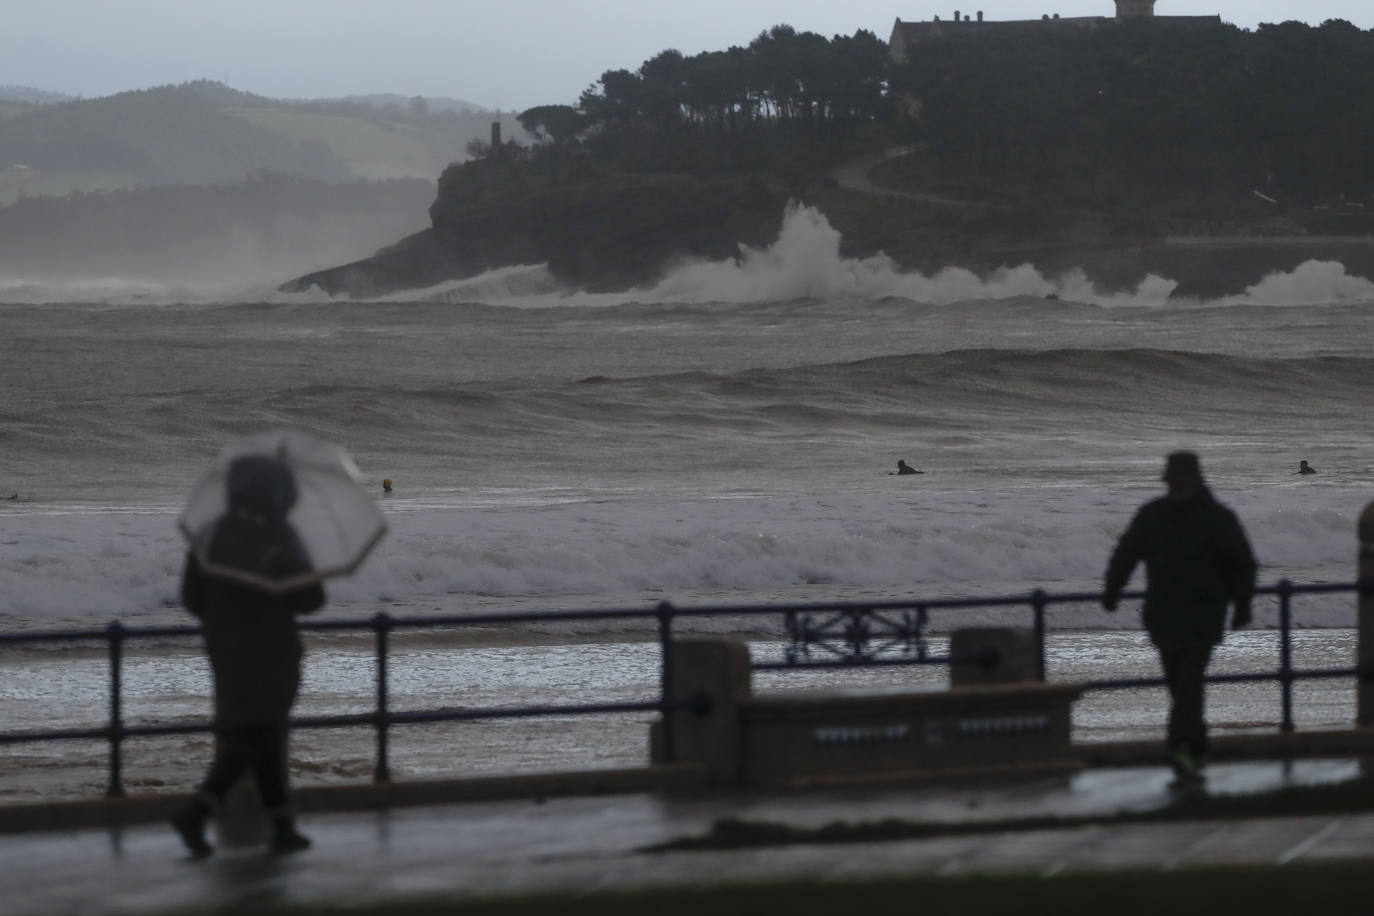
[905, 35]
[1125, 9]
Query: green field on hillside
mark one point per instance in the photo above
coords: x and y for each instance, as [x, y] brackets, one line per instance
[372, 150]
[10, 109]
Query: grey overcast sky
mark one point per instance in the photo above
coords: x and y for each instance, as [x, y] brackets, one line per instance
[506, 54]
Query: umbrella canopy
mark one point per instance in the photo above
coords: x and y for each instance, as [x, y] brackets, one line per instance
[285, 492]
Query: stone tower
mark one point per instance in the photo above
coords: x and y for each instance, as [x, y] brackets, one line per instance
[1129, 9]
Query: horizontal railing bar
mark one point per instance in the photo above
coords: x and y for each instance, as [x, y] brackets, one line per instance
[401, 718]
[751, 610]
[1294, 588]
[422, 716]
[748, 610]
[103, 634]
[56, 635]
[411, 718]
[64, 734]
[850, 662]
[425, 716]
[1312, 673]
[485, 619]
[1297, 675]
[354, 719]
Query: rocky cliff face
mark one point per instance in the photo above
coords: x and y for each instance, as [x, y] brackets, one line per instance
[595, 236]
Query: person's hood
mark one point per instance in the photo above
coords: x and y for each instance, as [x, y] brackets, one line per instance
[260, 485]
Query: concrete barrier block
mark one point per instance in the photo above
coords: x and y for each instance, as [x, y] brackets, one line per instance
[840, 736]
[993, 655]
[715, 673]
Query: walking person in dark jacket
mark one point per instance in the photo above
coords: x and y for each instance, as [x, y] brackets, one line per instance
[254, 644]
[1197, 561]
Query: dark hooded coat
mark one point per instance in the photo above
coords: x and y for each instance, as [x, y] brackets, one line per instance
[1197, 560]
[251, 634]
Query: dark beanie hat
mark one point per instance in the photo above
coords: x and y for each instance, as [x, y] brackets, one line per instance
[1182, 466]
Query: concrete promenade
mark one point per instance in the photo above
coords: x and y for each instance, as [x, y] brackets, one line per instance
[579, 844]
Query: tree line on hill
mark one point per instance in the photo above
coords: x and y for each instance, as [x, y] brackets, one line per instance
[712, 110]
[1121, 114]
[1191, 111]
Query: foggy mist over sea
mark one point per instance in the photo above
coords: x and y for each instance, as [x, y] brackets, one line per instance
[176, 243]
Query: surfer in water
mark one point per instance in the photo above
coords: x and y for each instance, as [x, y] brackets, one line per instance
[904, 468]
[1305, 468]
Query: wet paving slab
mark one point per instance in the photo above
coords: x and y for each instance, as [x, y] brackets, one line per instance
[584, 844]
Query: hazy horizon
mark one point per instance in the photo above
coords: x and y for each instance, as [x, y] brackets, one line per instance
[509, 57]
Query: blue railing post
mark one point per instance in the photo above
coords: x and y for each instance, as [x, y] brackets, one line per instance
[115, 787]
[1285, 593]
[381, 623]
[1038, 601]
[665, 640]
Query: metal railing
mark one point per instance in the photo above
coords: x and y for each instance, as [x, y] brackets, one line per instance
[844, 634]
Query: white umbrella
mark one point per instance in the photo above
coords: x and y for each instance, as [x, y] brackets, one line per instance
[336, 522]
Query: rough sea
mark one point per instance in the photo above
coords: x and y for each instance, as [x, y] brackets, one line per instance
[727, 436]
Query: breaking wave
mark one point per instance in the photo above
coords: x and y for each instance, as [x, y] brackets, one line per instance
[803, 263]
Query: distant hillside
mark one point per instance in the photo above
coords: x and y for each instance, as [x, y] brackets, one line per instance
[30, 96]
[16, 100]
[206, 133]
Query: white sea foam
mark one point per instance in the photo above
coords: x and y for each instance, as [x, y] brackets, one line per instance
[88, 567]
[1310, 283]
[803, 263]
[526, 284]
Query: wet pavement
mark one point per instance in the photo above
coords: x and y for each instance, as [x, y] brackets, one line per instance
[582, 844]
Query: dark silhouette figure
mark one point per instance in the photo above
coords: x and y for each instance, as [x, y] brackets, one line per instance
[254, 644]
[904, 468]
[1305, 468]
[1197, 560]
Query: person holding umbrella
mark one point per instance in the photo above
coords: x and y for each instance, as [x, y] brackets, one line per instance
[248, 575]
